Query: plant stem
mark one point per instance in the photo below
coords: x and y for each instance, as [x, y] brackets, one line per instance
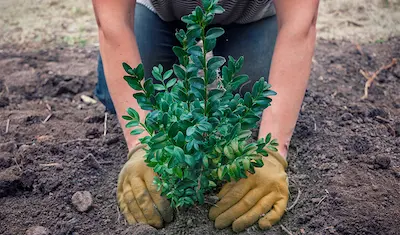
[205, 70]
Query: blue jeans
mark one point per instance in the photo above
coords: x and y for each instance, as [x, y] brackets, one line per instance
[155, 38]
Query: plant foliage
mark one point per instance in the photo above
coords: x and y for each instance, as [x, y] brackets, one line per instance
[197, 136]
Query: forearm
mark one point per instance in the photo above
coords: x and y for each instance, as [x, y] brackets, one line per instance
[290, 70]
[115, 51]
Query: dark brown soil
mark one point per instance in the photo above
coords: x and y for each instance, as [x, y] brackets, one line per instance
[344, 161]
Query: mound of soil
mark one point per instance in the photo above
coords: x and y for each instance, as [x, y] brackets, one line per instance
[344, 161]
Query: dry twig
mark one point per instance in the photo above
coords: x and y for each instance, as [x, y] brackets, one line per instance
[16, 163]
[56, 164]
[285, 229]
[105, 124]
[371, 78]
[7, 125]
[47, 118]
[295, 201]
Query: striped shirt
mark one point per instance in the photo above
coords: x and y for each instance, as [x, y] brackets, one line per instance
[236, 11]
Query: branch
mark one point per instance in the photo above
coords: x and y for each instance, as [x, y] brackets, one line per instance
[371, 78]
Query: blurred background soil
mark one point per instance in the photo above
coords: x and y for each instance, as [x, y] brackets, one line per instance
[71, 22]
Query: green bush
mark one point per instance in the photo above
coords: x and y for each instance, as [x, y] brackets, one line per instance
[198, 137]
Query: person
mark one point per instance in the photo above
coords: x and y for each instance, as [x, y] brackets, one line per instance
[276, 38]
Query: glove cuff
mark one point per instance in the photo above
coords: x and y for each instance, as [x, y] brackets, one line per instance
[278, 157]
[135, 149]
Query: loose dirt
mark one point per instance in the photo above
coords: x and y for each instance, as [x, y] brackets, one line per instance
[344, 161]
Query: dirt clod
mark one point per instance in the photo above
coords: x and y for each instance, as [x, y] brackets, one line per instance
[5, 160]
[38, 230]
[383, 162]
[4, 101]
[396, 128]
[8, 147]
[140, 229]
[346, 117]
[82, 200]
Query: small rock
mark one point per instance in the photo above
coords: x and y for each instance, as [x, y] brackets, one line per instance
[383, 161]
[375, 188]
[315, 200]
[37, 230]
[361, 144]
[88, 100]
[346, 117]
[189, 223]
[8, 147]
[111, 139]
[82, 200]
[213, 199]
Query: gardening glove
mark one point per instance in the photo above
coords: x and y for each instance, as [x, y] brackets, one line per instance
[261, 197]
[138, 198]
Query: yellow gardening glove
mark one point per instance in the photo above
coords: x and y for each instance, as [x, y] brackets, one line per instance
[138, 198]
[261, 197]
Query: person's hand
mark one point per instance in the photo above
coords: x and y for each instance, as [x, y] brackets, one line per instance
[138, 198]
[261, 197]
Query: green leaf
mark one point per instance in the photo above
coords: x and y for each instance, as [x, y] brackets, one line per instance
[246, 164]
[171, 82]
[217, 10]
[195, 50]
[214, 33]
[268, 138]
[205, 162]
[140, 97]
[269, 93]
[148, 86]
[180, 139]
[179, 154]
[189, 159]
[238, 81]
[209, 44]
[140, 71]
[128, 118]
[264, 102]
[190, 131]
[215, 62]
[178, 172]
[239, 64]
[199, 13]
[156, 74]
[159, 87]
[133, 114]
[248, 101]
[179, 72]
[137, 131]
[132, 124]
[159, 137]
[134, 83]
[128, 69]
[187, 19]
[215, 94]
[167, 74]
[228, 151]
[179, 51]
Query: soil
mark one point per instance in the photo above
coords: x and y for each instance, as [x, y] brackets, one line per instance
[344, 161]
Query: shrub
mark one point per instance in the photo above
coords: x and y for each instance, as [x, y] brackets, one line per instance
[198, 137]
